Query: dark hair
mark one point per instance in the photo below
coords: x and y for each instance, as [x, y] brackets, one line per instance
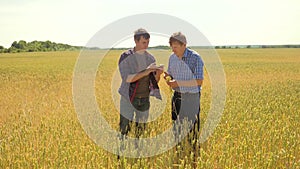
[141, 32]
[177, 37]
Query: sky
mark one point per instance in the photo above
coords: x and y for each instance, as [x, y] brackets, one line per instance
[222, 22]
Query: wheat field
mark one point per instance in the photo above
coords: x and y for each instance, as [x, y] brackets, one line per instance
[259, 128]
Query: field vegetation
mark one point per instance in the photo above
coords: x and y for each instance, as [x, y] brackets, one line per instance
[259, 128]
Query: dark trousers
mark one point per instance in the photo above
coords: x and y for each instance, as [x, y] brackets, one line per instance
[137, 111]
[186, 109]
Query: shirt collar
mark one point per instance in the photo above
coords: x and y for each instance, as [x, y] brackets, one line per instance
[134, 51]
[185, 54]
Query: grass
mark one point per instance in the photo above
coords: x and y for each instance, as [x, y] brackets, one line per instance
[259, 128]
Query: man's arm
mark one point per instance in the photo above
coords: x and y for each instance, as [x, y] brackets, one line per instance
[151, 68]
[157, 74]
[187, 83]
[134, 77]
[198, 75]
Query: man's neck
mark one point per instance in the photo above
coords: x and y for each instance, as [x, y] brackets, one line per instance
[139, 51]
[181, 55]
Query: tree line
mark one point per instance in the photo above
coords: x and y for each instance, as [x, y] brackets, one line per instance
[37, 46]
[256, 46]
[45, 46]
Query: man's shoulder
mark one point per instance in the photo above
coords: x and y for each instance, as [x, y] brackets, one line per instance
[150, 55]
[193, 56]
[191, 52]
[125, 54]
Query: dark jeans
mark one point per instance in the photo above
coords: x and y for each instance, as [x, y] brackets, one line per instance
[186, 108]
[141, 104]
[129, 113]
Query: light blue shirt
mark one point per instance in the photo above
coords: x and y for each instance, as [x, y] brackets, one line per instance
[190, 67]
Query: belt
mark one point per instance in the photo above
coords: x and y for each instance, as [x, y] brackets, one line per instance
[140, 97]
[179, 93]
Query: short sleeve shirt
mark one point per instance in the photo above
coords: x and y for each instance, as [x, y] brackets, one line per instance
[190, 67]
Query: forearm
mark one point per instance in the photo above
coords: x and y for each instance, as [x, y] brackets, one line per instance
[134, 77]
[189, 83]
[157, 77]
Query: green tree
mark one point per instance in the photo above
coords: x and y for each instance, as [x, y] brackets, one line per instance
[22, 45]
[15, 44]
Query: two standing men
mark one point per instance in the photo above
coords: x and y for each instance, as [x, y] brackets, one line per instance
[140, 76]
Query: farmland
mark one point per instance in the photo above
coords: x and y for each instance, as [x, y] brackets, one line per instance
[259, 128]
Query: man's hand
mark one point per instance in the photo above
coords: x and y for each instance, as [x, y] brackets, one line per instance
[152, 66]
[167, 77]
[134, 77]
[172, 83]
[160, 70]
[148, 71]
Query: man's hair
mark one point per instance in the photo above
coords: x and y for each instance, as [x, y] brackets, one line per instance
[141, 33]
[177, 37]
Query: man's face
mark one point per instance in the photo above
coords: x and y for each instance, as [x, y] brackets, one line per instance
[142, 44]
[178, 48]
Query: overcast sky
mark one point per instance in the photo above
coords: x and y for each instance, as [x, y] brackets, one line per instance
[223, 22]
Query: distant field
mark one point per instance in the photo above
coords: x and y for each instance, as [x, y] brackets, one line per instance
[259, 128]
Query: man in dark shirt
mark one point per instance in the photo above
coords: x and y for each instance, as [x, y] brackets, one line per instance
[139, 75]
